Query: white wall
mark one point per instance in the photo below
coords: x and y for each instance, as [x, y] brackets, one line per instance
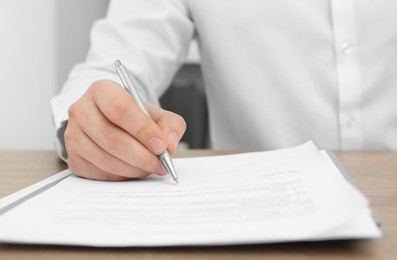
[27, 73]
[39, 41]
[74, 22]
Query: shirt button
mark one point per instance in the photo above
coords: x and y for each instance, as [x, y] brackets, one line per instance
[345, 48]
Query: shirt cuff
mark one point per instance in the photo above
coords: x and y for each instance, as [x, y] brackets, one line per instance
[60, 141]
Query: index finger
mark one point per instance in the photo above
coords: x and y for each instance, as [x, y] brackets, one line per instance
[122, 110]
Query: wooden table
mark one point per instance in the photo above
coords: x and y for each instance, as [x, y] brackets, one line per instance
[374, 172]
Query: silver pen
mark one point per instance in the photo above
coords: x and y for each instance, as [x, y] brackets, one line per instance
[165, 157]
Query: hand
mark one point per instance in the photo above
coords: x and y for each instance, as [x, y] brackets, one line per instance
[108, 137]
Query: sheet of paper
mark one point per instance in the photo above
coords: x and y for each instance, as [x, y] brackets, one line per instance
[16, 198]
[284, 195]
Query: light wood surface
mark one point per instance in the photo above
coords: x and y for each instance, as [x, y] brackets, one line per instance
[374, 172]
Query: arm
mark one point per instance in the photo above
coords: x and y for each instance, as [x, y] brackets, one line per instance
[152, 39]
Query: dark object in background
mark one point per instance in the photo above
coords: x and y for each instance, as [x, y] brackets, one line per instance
[187, 101]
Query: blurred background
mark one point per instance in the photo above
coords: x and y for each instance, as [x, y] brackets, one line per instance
[40, 41]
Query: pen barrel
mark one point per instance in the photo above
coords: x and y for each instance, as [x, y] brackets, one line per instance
[129, 85]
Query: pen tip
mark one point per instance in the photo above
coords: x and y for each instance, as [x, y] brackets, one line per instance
[176, 180]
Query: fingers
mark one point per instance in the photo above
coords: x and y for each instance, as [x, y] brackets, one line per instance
[85, 169]
[88, 160]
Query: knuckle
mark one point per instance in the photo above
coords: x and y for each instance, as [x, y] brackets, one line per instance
[142, 130]
[75, 110]
[68, 132]
[117, 110]
[69, 135]
[113, 143]
[114, 107]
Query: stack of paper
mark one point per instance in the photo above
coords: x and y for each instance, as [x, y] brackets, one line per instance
[293, 194]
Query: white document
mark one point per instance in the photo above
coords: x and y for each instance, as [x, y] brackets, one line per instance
[294, 194]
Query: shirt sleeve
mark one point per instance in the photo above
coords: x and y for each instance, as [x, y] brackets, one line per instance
[150, 37]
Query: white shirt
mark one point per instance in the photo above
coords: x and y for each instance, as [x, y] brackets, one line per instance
[277, 73]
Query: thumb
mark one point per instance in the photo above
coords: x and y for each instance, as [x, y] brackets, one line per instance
[172, 125]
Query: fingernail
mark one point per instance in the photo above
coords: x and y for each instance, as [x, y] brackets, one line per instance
[173, 137]
[161, 170]
[157, 145]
